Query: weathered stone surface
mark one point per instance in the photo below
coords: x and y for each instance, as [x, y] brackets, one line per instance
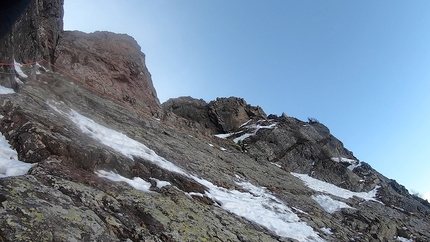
[62, 199]
[34, 37]
[36, 33]
[220, 116]
[111, 64]
[230, 113]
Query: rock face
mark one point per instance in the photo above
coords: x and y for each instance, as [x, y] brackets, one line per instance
[220, 116]
[34, 37]
[64, 197]
[111, 64]
[36, 34]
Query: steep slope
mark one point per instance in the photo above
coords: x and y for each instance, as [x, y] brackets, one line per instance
[107, 168]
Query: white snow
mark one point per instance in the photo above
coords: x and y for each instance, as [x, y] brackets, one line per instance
[9, 163]
[211, 145]
[120, 142]
[161, 184]
[353, 163]
[224, 136]
[19, 70]
[299, 210]
[260, 206]
[326, 230]
[222, 148]
[401, 239]
[137, 182]
[6, 90]
[256, 128]
[328, 204]
[247, 122]
[256, 205]
[328, 188]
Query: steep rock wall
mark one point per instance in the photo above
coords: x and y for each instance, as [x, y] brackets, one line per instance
[111, 64]
[36, 34]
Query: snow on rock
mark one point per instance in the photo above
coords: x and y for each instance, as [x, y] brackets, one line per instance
[224, 136]
[401, 239]
[6, 90]
[160, 183]
[256, 205]
[120, 142]
[244, 124]
[137, 182]
[256, 128]
[9, 163]
[353, 163]
[263, 208]
[328, 188]
[19, 70]
[326, 230]
[328, 204]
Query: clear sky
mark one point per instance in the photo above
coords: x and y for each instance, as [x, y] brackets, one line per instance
[362, 68]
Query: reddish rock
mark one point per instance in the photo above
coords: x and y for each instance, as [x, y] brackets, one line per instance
[111, 64]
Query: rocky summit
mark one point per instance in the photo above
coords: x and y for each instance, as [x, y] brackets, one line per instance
[88, 153]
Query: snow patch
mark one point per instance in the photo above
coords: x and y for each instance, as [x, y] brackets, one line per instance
[161, 184]
[263, 208]
[256, 205]
[256, 128]
[223, 136]
[401, 239]
[330, 205]
[19, 70]
[353, 163]
[299, 210]
[328, 188]
[6, 90]
[137, 182]
[120, 142]
[247, 122]
[326, 230]
[9, 163]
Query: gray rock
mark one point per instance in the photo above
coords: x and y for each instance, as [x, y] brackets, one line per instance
[62, 199]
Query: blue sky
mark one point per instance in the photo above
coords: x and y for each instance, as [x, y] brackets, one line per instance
[362, 68]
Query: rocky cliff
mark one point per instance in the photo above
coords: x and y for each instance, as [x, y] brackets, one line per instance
[109, 163]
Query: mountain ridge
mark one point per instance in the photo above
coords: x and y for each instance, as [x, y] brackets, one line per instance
[86, 117]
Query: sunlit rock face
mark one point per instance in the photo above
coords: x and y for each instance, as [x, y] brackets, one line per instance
[110, 64]
[87, 153]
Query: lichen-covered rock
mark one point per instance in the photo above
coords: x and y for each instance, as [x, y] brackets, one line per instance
[62, 199]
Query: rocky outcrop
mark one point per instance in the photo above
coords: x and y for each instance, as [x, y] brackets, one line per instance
[111, 64]
[34, 37]
[64, 198]
[220, 116]
[229, 113]
[36, 34]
